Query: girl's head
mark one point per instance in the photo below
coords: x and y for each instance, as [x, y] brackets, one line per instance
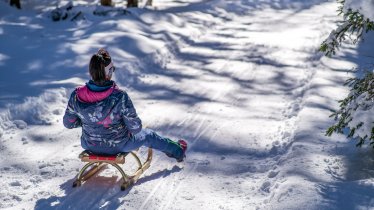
[101, 66]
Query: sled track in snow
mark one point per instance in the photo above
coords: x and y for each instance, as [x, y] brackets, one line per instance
[283, 141]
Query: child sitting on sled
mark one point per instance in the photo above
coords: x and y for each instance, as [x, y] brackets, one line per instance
[110, 124]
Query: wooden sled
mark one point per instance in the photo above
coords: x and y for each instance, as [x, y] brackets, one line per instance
[96, 162]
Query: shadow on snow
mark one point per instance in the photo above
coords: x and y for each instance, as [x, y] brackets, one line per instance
[95, 192]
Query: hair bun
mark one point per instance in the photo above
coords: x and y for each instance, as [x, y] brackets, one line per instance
[103, 52]
[105, 57]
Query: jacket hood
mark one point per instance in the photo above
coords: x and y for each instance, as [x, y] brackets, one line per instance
[91, 93]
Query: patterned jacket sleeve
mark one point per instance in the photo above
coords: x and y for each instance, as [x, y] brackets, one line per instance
[130, 117]
[71, 119]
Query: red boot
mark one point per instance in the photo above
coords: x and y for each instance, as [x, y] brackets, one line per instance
[183, 144]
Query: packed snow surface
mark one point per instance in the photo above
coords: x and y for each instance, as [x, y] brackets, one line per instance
[240, 80]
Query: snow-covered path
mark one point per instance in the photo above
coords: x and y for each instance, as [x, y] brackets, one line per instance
[241, 81]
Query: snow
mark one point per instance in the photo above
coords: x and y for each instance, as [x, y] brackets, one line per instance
[241, 81]
[362, 115]
[365, 7]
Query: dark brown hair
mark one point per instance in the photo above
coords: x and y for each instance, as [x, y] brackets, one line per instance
[97, 65]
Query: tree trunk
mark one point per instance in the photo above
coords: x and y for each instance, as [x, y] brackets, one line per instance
[149, 3]
[15, 3]
[132, 3]
[106, 2]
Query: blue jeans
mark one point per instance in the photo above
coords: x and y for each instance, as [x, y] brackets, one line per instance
[145, 137]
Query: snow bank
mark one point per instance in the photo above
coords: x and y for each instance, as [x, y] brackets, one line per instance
[35, 110]
[42, 110]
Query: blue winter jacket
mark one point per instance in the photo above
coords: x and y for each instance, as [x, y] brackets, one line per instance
[105, 113]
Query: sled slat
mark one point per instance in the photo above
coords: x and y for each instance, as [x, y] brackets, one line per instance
[87, 157]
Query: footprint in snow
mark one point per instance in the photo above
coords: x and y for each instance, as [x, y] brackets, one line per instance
[24, 140]
[273, 174]
[20, 124]
[15, 184]
[57, 112]
[188, 197]
[266, 186]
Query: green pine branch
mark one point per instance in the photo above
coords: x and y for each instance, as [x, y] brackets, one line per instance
[353, 26]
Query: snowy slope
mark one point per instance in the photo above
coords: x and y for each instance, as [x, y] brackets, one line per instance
[240, 80]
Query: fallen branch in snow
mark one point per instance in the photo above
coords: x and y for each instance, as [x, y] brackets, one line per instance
[77, 16]
[62, 13]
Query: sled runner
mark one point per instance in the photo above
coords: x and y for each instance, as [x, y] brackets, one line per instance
[96, 162]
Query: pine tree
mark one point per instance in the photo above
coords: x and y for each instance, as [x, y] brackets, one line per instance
[356, 113]
[132, 3]
[106, 2]
[353, 26]
[15, 3]
[355, 118]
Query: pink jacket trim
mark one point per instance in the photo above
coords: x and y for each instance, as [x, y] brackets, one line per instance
[87, 96]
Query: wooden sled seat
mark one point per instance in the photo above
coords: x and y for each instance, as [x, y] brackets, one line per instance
[87, 156]
[96, 162]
